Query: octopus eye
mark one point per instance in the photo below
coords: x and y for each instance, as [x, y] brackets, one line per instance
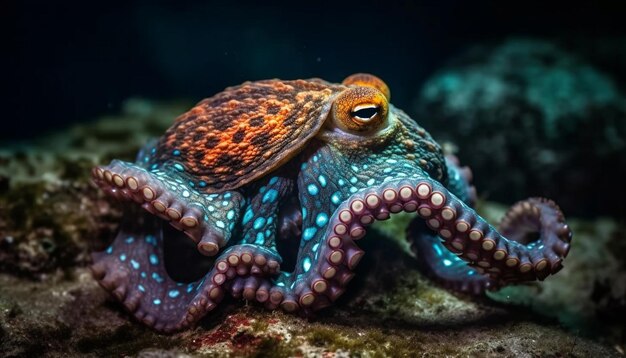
[367, 80]
[365, 112]
[360, 109]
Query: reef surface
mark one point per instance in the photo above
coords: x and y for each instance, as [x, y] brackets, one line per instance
[546, 120]
[50, 216]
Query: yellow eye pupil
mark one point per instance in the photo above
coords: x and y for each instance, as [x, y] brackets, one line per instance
[365, 112]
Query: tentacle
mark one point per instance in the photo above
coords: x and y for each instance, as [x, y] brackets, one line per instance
[133, 270]
[251, 288]
[244, 260]
[460, 180]
[432, 257]
[207, 219]
[520, 257]
[526, 218]
[261, 214]
[327, 262]
[442, 265]
[241, 269]
[320, 280]
[327, 253]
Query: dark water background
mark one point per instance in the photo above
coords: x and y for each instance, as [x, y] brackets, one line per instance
[70, 61]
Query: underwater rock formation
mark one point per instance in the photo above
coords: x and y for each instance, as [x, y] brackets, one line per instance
[532, 119]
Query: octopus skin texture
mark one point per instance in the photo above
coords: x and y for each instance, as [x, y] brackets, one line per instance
[310, 164]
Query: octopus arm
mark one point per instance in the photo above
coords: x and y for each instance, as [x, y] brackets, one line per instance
[480, 256]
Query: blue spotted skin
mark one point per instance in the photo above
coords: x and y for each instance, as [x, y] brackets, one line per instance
[138, 258]
[327, 178]
[261, 214]
[444, 266]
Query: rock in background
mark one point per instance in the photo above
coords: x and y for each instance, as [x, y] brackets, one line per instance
[531, 119]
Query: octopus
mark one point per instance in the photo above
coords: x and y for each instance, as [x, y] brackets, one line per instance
[267, 188]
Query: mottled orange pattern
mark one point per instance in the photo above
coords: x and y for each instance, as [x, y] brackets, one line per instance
[248, 130]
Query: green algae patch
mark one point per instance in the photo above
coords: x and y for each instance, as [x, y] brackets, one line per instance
[364, 341]
[506, 338]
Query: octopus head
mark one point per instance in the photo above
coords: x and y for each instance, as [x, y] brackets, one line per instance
[362, 122]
